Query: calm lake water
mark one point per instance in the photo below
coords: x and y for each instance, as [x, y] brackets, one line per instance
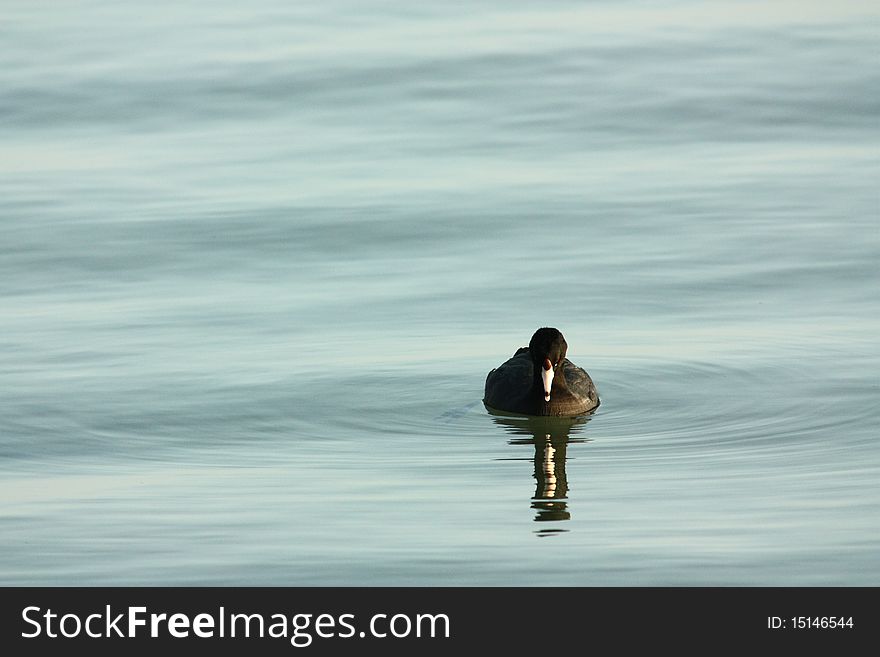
[257, 259]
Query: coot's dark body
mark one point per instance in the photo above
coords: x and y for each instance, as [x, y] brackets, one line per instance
[518, 386]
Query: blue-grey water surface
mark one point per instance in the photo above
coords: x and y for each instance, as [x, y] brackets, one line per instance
[256, 260]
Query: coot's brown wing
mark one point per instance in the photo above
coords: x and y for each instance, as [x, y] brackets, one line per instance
[581, 385]
[507, 386]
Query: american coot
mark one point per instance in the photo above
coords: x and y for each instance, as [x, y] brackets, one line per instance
[540, 380]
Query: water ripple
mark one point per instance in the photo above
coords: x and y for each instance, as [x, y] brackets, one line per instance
[678, 409]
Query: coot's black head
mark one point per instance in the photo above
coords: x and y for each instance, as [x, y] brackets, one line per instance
[548, 343]
[547, 349]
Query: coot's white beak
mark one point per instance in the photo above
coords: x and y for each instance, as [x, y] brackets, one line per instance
[547, 377]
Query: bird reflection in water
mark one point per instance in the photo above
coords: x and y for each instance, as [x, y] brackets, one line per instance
[552, 484]
[550, 437]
